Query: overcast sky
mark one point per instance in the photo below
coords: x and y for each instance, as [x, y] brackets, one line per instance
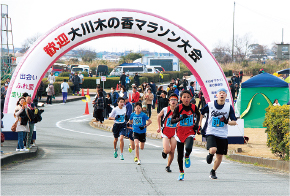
[210, 21]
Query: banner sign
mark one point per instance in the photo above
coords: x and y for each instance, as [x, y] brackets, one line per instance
[114, 22]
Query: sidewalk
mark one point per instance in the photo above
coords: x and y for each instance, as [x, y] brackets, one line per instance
[10, 155]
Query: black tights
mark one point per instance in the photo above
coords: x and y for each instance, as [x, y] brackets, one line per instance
[180, 151]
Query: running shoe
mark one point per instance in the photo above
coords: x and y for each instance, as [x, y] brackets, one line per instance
[130, 149]
[121, 157]
[24, 150]
[212, 174]
[209, 158]
[139, 162]
[187, 162]
[135, 159]
[181, 177]
[164, 155]
[168, 169]
[116, 153]
[17, 149]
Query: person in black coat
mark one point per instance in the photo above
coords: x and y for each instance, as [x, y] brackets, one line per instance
[123, 79]
[163, 101]
[136, 79]
[76, 81]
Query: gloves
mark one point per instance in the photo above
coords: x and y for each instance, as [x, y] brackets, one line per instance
[198, 130]
[223, 119]
[142, 127]
[117, 117]
[183, 116]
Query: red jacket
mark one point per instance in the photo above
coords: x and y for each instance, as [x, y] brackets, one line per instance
[135, 97]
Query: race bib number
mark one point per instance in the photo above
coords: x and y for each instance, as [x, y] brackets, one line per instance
[216, 122]
[187, 121]
[121, 118]
[168, 123]
[137, 121]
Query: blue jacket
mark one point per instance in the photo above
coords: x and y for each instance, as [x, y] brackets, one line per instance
[129, 109]
[114, 97]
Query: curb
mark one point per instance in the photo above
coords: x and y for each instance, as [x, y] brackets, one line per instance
[19, 156]
[273, 163]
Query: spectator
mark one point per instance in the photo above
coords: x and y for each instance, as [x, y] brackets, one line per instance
[136, 79]
[237, 88]
[90, 74]
[8, 81]
[143, 87]
[127, 82]
[81, 76]
[233, 91]
[161, 77]
[76, 81]
[171, 90]
[153, 88]
[22, 128]
[4, 90]
[50, 93]
[64, 89]
[123, 92]
[177, 83]
[261, 71]
[51, 78]
[123, 79]
[185, 83]
[114, 96]
[201, 99]
[40, 90]
[135, 96]
[30, 113]
[172, 82]
[175, 90]
[158, 94]
[276, 103]
[99, 107]
[108, 105]
[241, 74]
[191, 89]
[163, 102]
[149, 98]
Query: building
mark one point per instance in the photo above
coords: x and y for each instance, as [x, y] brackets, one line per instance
[283, 51]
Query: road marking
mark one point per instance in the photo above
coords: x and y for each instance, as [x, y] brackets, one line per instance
[81, 120]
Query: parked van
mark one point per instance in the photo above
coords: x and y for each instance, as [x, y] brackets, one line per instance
[129, 68]
[151, 69]
[102, 70]
[81, 68]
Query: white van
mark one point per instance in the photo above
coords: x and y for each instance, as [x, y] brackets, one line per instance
[129, 68]
[81, 68]
[151, 69]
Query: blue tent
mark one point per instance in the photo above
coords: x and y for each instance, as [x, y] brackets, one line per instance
[256, 94]
[264, 80]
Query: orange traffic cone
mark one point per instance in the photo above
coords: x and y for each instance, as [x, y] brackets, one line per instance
[130, 98]
[87, 109]
[88, 91]
[83, 94]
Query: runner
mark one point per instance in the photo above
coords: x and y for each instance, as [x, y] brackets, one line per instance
[119, 128]
[168, 130]
[185, 132]
[216, 128]
[138, 119]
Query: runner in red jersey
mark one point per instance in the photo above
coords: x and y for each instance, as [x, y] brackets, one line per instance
[184, 114]
[168, 130]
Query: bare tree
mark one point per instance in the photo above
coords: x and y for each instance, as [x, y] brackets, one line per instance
[87, 54]
[241, 45]
[29, 42]
[221, 52]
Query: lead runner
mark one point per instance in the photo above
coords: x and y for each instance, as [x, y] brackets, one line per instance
[216, 128]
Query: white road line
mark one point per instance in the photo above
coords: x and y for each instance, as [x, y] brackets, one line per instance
[70, 119]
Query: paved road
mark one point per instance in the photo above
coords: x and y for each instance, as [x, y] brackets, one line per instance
[76, 159]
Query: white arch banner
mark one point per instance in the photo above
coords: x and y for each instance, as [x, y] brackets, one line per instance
[114, 22]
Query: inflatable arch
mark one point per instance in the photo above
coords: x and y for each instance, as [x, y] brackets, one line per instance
[115, 22]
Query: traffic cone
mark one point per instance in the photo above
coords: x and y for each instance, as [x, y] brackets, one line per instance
[88, 91]
[87, 109]
[130, 98]
[83, 94]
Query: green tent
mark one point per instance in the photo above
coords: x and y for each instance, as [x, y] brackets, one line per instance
[256, 94]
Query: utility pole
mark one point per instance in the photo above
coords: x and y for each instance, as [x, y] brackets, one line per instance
[233, 32]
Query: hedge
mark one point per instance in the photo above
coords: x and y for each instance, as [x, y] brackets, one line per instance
[277, 123]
